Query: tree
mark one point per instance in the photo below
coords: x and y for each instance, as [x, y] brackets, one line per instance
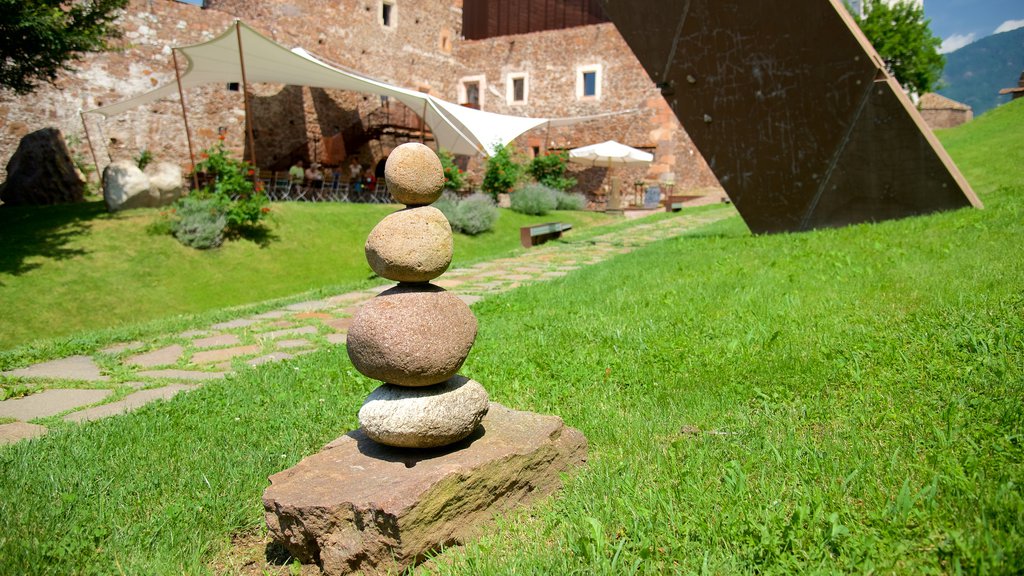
[39, 38]
[902, 36]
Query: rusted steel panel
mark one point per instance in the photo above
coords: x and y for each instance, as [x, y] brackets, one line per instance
[793, 111]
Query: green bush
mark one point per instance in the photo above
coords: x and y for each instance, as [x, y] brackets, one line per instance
[240, 203]
[475, 214]
[472, 215]
[549, 170]
[534, 199]
[200, 222]
[447, 204]
[502, 172]
[566, 201]
[454, 179]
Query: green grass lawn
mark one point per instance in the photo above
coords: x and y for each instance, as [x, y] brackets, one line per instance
[67, 269]
[846, 400]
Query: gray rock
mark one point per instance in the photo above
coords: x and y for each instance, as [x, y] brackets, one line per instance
[414, 174]
[166, 182]
[424, 417]
[411, 335]
[41, 172]
[360, 506]
[125, 186]
[411, 245]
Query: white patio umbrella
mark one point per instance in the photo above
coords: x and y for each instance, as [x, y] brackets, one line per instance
[610, 154]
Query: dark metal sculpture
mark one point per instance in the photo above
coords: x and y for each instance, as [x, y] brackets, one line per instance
[793, 110]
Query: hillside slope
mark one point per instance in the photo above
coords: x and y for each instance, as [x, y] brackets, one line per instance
[975, 73]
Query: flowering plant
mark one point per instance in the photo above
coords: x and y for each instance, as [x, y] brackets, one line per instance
[454, 179]
[229, 203]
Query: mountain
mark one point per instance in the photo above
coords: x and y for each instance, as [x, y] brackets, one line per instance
[975, 73]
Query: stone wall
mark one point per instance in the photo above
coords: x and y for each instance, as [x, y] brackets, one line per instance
[946, 118]
[421, 48]
[551, 62]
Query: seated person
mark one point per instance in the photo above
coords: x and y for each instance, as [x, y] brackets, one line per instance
[296, 173]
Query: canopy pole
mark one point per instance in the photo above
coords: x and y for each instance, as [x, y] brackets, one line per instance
[547, 135]
[245, 93]
[88, 141]
[423, 122]
[184, 117]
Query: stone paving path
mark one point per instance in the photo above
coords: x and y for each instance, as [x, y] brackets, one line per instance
[127, 375]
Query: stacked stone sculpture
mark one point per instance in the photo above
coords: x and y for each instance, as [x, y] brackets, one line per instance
[415, 336]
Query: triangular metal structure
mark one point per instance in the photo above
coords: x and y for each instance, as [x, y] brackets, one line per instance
[793, 110]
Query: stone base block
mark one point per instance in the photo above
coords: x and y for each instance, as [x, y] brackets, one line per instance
[360, 506]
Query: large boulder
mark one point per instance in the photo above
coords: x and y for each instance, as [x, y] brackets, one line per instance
[41, 172]
[165, 182]
[125, 186]
[361, 506]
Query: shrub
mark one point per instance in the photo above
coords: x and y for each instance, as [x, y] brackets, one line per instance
[534, 199]
[566, 201]
[454, 179]
[446, 204]
[549, 170]
[200, 222]
[475, 214]
[228, 197]
[502, 172]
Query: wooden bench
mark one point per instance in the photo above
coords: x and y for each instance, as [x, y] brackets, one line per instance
[541, 233]
[675, 203]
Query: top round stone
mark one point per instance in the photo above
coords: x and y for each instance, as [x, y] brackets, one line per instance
[414, 174]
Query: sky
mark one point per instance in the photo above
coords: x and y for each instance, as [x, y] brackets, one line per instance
[960, 22]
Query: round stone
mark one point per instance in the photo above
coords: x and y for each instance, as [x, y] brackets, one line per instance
[414, 174]
[411, 245]
[411, 335]
[425, 417]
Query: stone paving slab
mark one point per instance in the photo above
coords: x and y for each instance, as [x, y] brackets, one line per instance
[17, 431]
[50, 402]
[340, 324]
[231, 324]
[71, 368]
[314, 315]
[193, 334]
[296, 343]
[182, 374]
[271, 315]
[122, 347]
[337, 338]
[309, 306]
[162, 357]
[217, 340]
[288, 332]
[129, 403]
[272, 357]
[222, 354]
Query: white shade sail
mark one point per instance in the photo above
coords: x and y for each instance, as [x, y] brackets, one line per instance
[456, 128]
[610, 154]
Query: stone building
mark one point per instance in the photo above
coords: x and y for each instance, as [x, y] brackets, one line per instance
[941, 112]
[581, 67]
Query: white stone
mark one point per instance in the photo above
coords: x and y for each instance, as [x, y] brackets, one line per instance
[165, 181]
[424, 417]
[125, 186]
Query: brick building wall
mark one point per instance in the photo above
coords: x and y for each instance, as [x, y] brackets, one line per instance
[419, 48]
[551, 62]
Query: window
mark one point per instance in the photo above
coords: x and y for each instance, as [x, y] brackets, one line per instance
[387, 13]
[233, 86]
[471, 91]
[516, 89]
[588, 82]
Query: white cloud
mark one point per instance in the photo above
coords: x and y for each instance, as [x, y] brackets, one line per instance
[956, 42]
[1009, 25]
